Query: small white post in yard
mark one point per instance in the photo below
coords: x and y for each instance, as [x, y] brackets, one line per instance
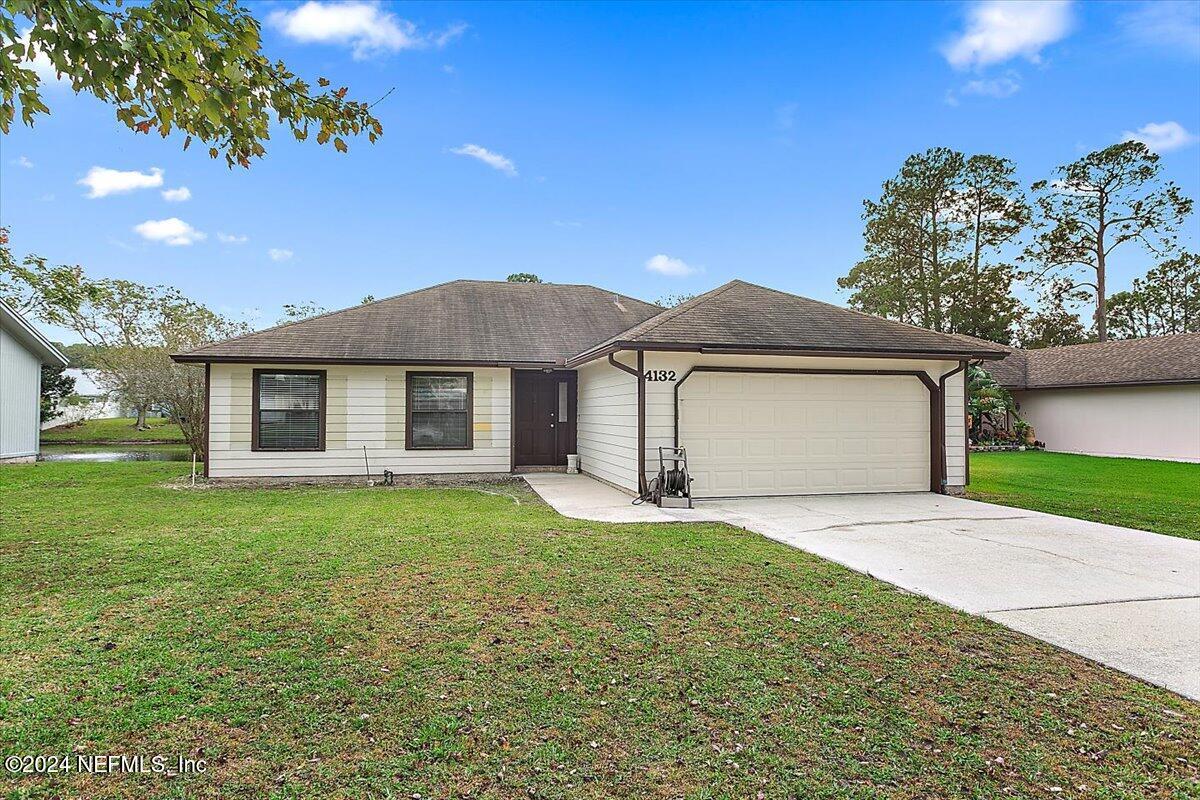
[193, 470]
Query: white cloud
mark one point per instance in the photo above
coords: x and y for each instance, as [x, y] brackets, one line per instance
[366, 27]
[1165, 24]
[22, 161]
[279, 254]
[451, 33]
[232, 238]
[493, 160]
[567, 223]
[177, 195]
[665, 265]
[1161, 136]
[172, 231]
[1005, 86]
[1000, 30]
[102, 181]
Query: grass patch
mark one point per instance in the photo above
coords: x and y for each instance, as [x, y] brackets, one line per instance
[1159, 496]
[453, 643]
[117, 429]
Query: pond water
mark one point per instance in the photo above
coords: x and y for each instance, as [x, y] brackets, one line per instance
[106, 452]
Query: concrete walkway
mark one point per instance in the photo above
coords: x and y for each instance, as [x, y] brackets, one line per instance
[1126, 598]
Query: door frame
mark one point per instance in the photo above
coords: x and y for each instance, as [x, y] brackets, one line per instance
[936, 423]
[565, 436]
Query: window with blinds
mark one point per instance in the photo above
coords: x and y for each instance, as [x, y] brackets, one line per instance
[439, 411]
[288, 408]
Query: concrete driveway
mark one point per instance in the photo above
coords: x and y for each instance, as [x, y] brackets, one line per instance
[1126, 598]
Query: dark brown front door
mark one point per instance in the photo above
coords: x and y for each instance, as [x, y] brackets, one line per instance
[543, 418]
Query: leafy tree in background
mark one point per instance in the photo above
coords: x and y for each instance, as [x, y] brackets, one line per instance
[931, 242]
[1166, 301]
[189, 65]
[1055, 323]
[130, 331]
[78, 354]
[523, 277]
[912, 243]
[996, 213]
[181, 325]
[672, 300]
[57, 386]
[1096, 204]
[294, 312]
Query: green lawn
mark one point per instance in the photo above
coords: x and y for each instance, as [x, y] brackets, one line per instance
[324, 642]
[1160, 496]
[119, 429]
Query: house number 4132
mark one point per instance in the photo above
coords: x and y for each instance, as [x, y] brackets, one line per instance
[660, 374]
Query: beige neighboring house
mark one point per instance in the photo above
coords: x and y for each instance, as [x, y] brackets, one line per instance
[771, 394]
[1138, 398]
[23, 351]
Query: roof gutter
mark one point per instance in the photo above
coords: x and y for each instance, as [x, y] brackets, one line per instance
[1111, 385]
[32, 338]
[201, 358]
[709, 349]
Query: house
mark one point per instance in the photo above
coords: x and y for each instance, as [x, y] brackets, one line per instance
[769, 392]
[89, 401]
[23, 351]
[1134, 397]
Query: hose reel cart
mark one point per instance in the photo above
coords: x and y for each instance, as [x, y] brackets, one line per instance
[672, 487]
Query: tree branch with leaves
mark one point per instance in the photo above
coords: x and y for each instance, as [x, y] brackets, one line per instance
[193, 66]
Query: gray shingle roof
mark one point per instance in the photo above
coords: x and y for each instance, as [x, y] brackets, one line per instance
[484, 322]
[461, 321]
[1159, 359]
[744, 315]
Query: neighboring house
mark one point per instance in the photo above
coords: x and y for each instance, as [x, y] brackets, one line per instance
[1134, 397]
[89, 401]
[770, 393]
[23, 351]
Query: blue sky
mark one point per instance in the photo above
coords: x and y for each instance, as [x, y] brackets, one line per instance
[728, 140]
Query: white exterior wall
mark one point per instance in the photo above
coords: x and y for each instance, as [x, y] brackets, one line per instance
[20, 390]
[364, 407]
[1134, 421]
[606, 422]
[608, 407]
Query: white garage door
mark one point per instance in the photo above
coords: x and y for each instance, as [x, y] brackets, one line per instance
[768, 434]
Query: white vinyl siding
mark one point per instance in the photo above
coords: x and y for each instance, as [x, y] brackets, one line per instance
[660, 397]
[956, 430]
[364, 408]
[606, 423]
[20, 382]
